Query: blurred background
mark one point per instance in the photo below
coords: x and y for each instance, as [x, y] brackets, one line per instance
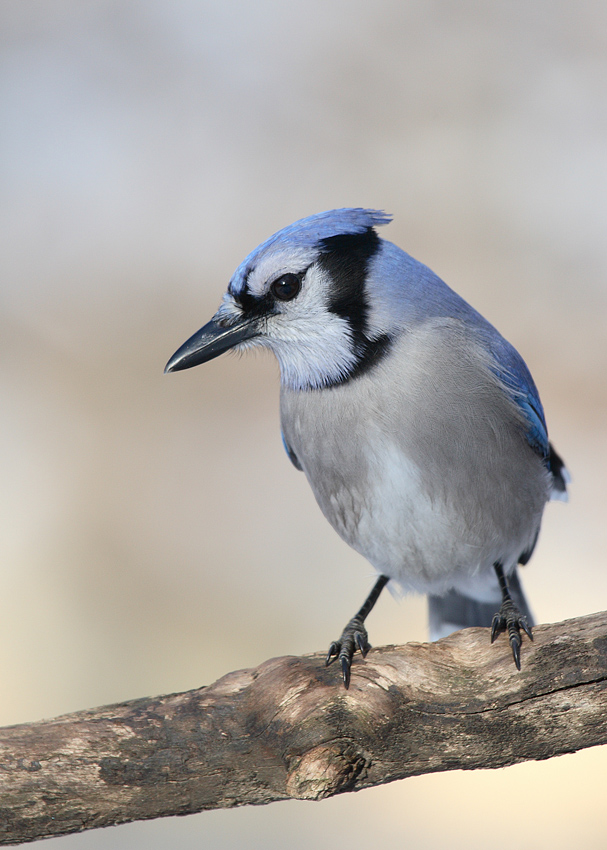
[154, 534]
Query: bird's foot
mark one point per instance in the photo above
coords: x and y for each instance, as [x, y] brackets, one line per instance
[353, 637]
[510, 619]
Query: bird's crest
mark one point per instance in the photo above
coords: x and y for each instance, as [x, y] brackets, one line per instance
[308, 233]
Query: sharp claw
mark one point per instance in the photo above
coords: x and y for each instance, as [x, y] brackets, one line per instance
[509, 619]
[362, 644]
[515, 643]
[495, 627]
[354, 637]
[345, 670]
[332, 653]
[525, 627]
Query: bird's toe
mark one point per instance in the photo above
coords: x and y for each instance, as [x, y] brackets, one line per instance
[353, 637]
[509, 619]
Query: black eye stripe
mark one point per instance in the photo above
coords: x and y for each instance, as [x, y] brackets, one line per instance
[286, 287]
[346, 258]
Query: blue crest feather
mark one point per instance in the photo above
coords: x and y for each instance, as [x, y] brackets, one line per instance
[309, 232]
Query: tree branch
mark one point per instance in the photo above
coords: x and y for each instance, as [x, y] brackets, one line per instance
[289, 729]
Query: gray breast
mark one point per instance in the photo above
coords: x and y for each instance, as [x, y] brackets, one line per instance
[422, 464]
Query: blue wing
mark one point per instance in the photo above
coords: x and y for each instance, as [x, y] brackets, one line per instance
[514, 374]
[537, 435]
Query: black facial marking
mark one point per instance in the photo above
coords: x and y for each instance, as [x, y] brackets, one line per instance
[284, 288]
[252, 305]
[369, 355]
[346, 259]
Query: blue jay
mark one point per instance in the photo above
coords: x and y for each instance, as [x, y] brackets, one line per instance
[417, 425]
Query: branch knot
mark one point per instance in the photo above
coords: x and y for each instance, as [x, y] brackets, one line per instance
[324, 771]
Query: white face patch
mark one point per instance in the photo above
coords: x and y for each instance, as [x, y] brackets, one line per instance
[273, 265]
[313, 345]
[229, 311]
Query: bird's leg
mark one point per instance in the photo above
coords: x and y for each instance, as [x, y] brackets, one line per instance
[509, 618]
[354, 636]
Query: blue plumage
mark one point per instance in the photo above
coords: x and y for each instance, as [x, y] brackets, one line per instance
[513, 372]
[417, 425]
[309, 233]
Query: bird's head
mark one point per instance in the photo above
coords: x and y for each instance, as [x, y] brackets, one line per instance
[303, 294]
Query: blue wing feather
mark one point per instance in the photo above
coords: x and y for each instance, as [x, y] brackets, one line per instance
[536, 434]
[514, 374]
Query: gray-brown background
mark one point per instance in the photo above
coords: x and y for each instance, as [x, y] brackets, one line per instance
[154, 534]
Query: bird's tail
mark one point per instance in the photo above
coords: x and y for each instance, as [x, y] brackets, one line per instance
[455, 610]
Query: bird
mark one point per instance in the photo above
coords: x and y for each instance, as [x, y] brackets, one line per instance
[416, 423]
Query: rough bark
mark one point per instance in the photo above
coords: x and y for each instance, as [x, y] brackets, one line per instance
[289, 729]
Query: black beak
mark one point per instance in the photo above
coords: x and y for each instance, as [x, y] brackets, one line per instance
[210, 342]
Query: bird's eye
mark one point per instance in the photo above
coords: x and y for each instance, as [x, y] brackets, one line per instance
[286, 287]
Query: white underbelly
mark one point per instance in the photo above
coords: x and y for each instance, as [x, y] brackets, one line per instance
[425, 542]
